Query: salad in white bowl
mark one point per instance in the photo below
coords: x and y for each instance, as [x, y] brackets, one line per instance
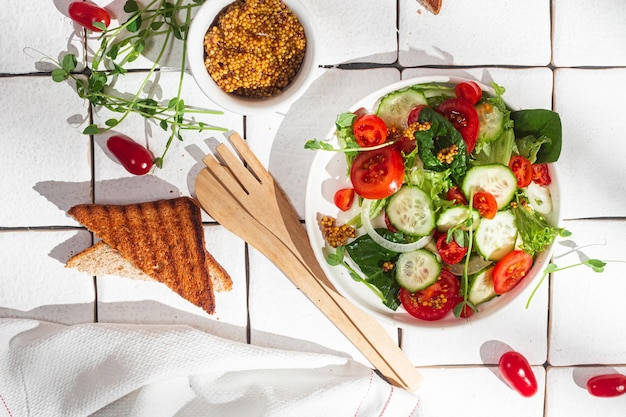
[435, 200]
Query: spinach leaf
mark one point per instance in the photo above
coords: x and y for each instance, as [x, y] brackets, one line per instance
[543, 126]
[370, 257]
[440, 136]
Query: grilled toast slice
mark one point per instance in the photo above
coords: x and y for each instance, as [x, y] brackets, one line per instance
[433, 6]
[164, 239]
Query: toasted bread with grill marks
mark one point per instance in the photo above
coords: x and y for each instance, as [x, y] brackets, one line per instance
[433, 6]
[164, 239]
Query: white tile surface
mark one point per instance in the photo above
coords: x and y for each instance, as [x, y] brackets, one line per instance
[476, 392]
[591, 167]
[475, 33]
[589, 36]
[34, 281]
[39, 136]
[585, 320]
[35, 32]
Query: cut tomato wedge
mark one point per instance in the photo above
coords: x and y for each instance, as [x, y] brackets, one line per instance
[434, 302]
[463, 116]
[450, 251]
[486, 204]
[541, 174]
[343, 198]
[469, 90]
[369, 130]
[510, 270]
[522, 169]
[377, 173]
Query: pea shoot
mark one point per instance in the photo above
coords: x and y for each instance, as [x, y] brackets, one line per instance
[119, 46]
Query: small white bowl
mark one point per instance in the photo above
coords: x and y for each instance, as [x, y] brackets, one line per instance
[242, 105]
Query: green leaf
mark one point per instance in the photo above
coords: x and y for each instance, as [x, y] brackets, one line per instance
[163, 124]
[158, 162]
[157, 25]
[59, 75]
[99, 25]
[542, 125]
[314, 144]
[134, 23]
[92, 129]
[69, 62]
[111, 122]
[180, 105]
[172, 103]
[131, 6]
[596, 264]
[113, 51]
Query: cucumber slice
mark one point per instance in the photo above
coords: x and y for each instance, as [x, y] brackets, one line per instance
[456, 215]
[394, 108]
[490, 121]
[481, 287]
[417, 270]
[497, 179]
[410, 210]
[496, 237]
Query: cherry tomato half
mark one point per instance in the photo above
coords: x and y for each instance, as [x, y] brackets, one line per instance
[343, 198]
[85, 14]
[510, 270]
[135, 158]
[522, 169]
[451, 252]
[377, 173]
[463, 116]
[434, 302]
[456, 196]
[541, 174]
[486, 204]
[468, 90]
[608, 385]
[369, 130]
[516, 371]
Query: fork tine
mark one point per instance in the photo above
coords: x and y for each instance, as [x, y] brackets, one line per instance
[225, 176]
[246, 178]
[250, 158]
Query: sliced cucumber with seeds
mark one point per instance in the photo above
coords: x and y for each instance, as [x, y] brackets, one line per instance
[496, 237]
[496, 179]
[458, 216]
[490, 121]
[394, 108]
[481, 287]
[417, 270]
[410, 210]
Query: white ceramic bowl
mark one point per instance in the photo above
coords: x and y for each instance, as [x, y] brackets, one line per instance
[328, 174]
[242, 105]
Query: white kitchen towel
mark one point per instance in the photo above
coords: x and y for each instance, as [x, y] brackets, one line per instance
[103, 370]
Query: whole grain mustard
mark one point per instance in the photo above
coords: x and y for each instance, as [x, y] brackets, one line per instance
[255, 48]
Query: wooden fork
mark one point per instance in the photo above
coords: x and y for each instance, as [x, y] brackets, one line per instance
[256, 206]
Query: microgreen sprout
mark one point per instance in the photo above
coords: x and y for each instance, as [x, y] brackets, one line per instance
[119, 46]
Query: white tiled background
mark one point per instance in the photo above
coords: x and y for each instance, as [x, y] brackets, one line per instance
[564, 54]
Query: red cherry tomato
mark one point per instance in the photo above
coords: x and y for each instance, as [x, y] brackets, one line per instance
[468, 90]
[541, 174]
[415, 114]
[516, 371]
[434, 302]
[456, 196]
[135, 158]
[451, 252]
[608, 385]
[522, 169]
[369, 130]
[510, 270]
[343, 198]
[85, 14]
[377, 173]
[486, 204]
[463, 116]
